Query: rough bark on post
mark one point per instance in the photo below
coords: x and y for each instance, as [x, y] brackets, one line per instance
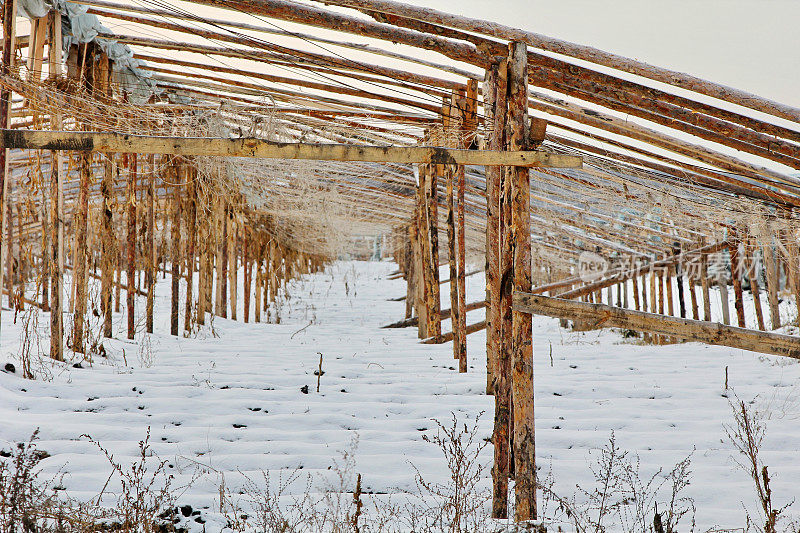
[737, 281]
[773, 285]
[233, 261]
[176, 246]
[9, 47]
[468, 111]
[704, 282]
[522, 373]
[500, 312]
[150, 246]
[131, 245]
[191, 244]
[432, 225]
[752, 276]
[81, 254]
[108, 244]
[247, 272]
[492, 248]
[222, 310]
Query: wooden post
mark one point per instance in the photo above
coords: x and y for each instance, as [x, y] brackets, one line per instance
[132, 168]
[522, 373]
[736, 278]
[219, 308]
[191, 244]
[108, 244]
[9, 49]
[492, 247]
[56, 207]
[468, 111]
[247, 272]
[752, 274]
[81, 253]
[431, 223]
[635, 289]
[176, 245]
[678, 269]
[150, 245]
[259, 259]
[772, 285]
[233, 261]
[501, 311]
[704, 286]
[223, 279]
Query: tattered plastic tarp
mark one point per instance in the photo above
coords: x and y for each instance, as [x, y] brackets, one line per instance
[80, 27]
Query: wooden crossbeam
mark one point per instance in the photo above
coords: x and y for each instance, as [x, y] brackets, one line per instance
[259, 148]
[600, 315]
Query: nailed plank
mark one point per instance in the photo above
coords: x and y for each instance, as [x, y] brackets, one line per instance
[258, 148]
[691, 330]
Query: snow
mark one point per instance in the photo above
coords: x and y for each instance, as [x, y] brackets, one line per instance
[231, 403]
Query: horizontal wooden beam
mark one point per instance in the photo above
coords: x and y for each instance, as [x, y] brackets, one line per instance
[600, 315]
[259, 148]
[447, 337]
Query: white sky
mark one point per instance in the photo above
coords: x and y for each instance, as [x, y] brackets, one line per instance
[749, 44]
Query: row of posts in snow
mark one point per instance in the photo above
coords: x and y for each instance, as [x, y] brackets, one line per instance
[124, 219]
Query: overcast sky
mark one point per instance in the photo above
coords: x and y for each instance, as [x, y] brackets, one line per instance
[749, 44]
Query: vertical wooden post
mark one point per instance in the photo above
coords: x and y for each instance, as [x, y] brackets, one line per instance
[9, 48]
[223, 281]
[490, 87]
[522, 372]
[259, 259]
[772, 285]
[417, 239]
[233, 261]
[218, 223]
[635, 288]
[704, 282]
[81, 253]
[468, 111]
[736, 278]
[191, 244]
[678, 269]
[176, 246]
[793, 271]
[56, 207]
[500, 312]
[108, 245]
[150, 245]
[752, 275]
[133, 171]
[431, 219]
[247, 272]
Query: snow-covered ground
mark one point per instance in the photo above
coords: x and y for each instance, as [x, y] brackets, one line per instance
[232, 403]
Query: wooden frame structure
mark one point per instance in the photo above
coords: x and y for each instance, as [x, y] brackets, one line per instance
[523, 153]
